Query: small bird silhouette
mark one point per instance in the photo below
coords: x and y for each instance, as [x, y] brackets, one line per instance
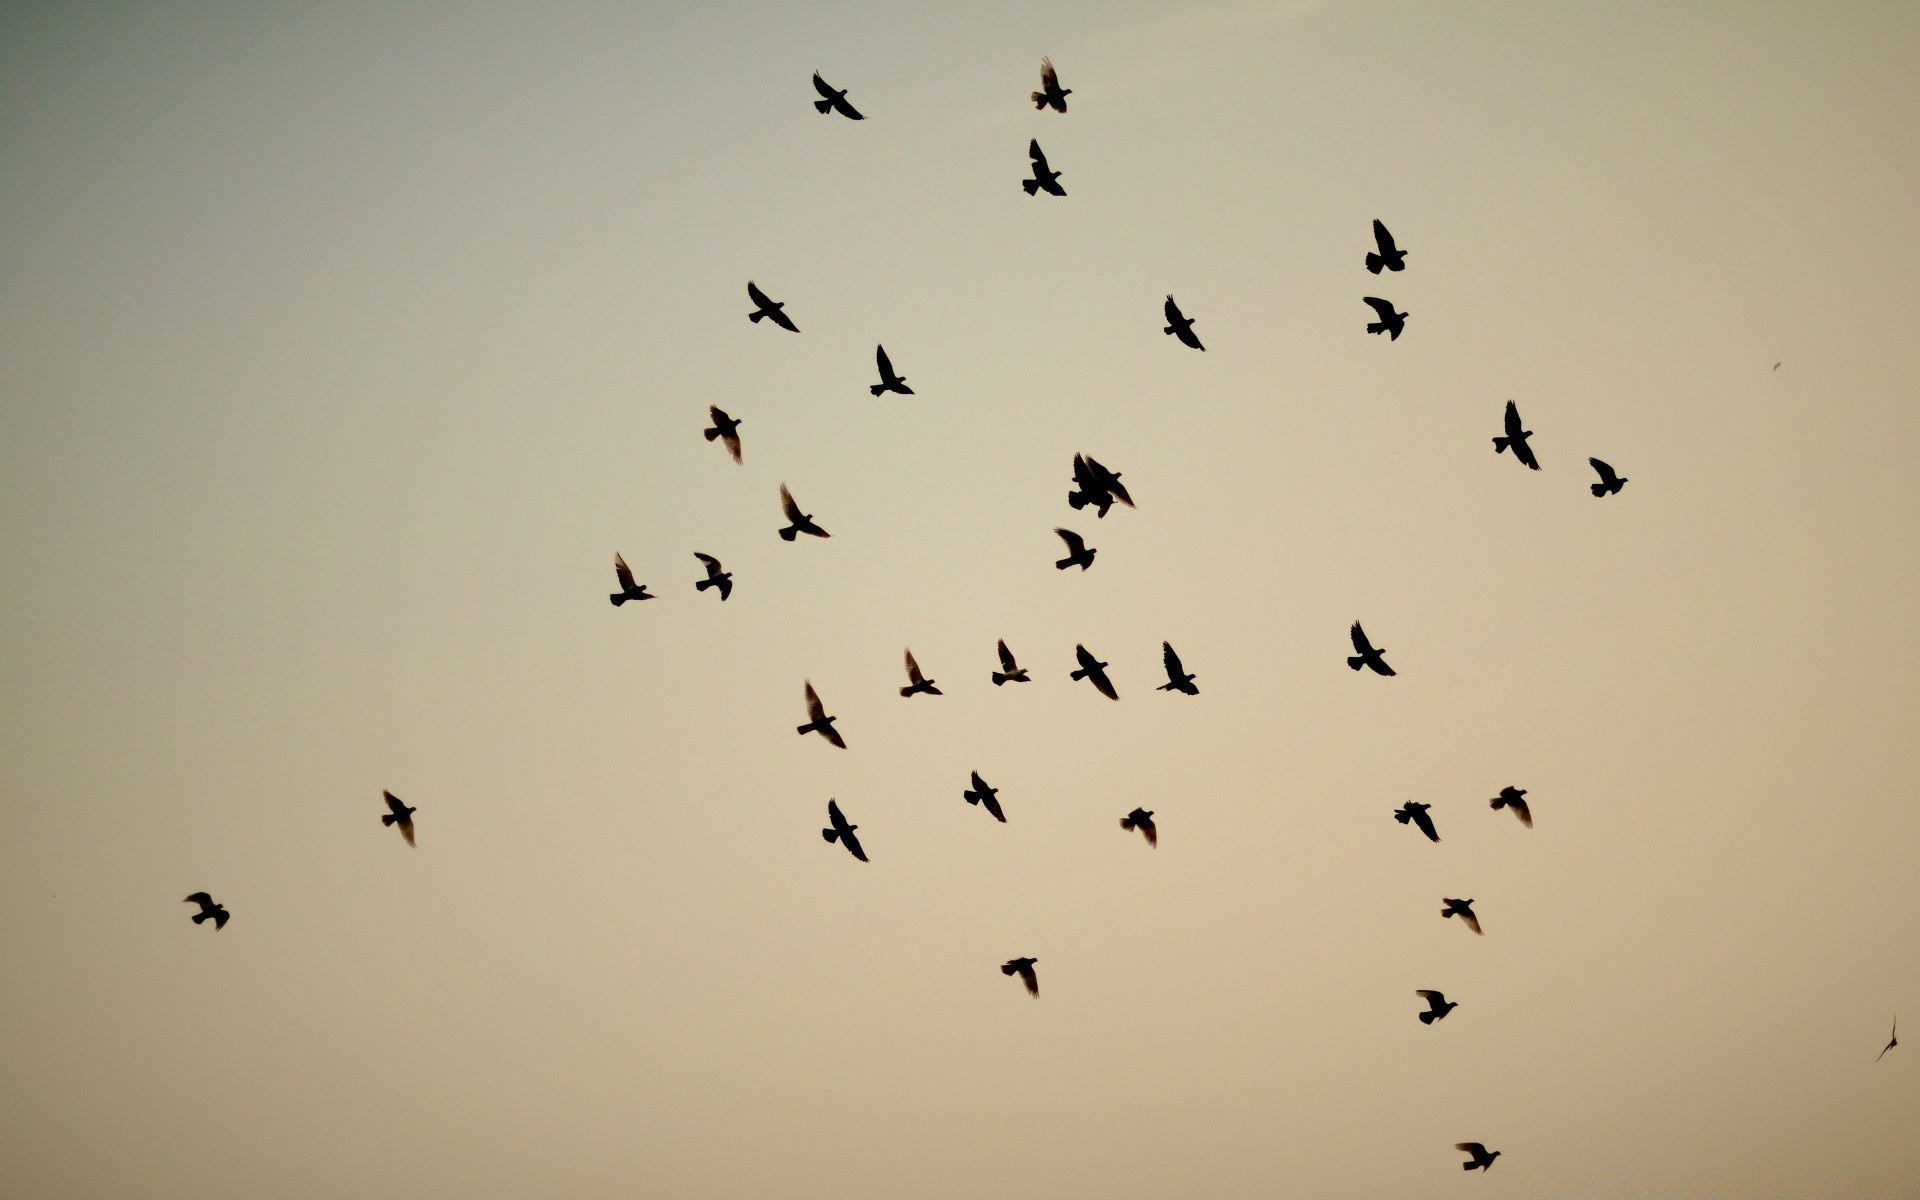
[1107, 481]
[1609, 481]
[797, 521]
[629, 590]
[1368, 656]
[1482, 1158]
[1516, 439]
[1514, 798]
[1891, 1042]
[1095, 672]
[1142, 819]
[1050, 93]
[1043, 179]
[842, 832]
[726, 428]
[208, 910]
[820, 722]
[836, 101]
[1389, 256]
[1776, 366]
[767, 308]
[1023, 967]
[399, 815]
[1077, 552]
[1181, 326]
[1087, 488]
[1010, 671]
[986, 797]
[1438, 1006]
[916, 682]
[1177, 678]
[889, 382]
[1416, 812]
[1390, 322]
[1462, 909]
[716, 578]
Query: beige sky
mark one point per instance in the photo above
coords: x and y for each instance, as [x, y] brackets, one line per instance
[343, 346]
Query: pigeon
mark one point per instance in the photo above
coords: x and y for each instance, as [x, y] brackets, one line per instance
[889, 382]
[842, 832]
[1178, 680]
[1023, 967]
[797, 521]
[820, 722]
[1416, 812]
[1482, 1158]
[208, 909]
[400, 815]
[1609, 482]
[1368, 656]
[716, 578]
[1010, 671]
[836, 101]
[1142, 819]
[916, 682]
[1437, 1006]
[1390, 322]
[629, 590]
[986, 797]
[1181, 326]
[1087, 488]
[1891, 1042]
[1050, 93]
[1107, 481]
[1462, 909]
[726, 428]
[776, 310]
[1516, 439]
[1094, 672]
[1077, 552]
[1043, 178]
[1390, 257]
[1514, 798]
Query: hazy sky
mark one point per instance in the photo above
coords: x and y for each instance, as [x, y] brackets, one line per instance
[343, 345]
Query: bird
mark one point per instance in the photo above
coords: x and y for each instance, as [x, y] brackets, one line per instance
[889, 382]
[1776, 366]
[1891, 1042]
[400, 815]
[1609, 481]
[716, 578]
[1087, 488]
[629, 590]
[1077, 552]
[726, 428]
[1390, 322]
[1462, 909]
[1142, 819]
[1095, 672]
[1389, 256]
[1043, 179]
[1482, 1157]
[1416, 812]
[1181, 326]
[842, 832]
[1109, 481]
[1023, 967]
[1010, 671]
[916, 682]
[797, 521]
[769, 308]
[820, 722]
[987, 797]
[836, 101]
[208, 909]
[1368, 656]
[1050, 94]
[1516, 439]
[1513, 798]
[1178, 680]
[1437, 1006]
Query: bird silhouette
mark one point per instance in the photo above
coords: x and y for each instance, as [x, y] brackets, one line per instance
[1177, 678]
[716, 578]
[1389, 256]
[1010, 671]
[629, 590]
[1107, 481]
[1609, 481]
[1390, 322]
[1095, 672]
[1514, 798]
[399, 815]
[208, 910]
[1023, 967]
[820, 722]
[842, 832]
[1462, 909]
[726, 428]
[1516, 439]
[1416, 812]
[1142, 819]
[1368, 656]
[1438, 1006]
[767, 308]
[1087, 488]
[1050, 93]
[1043, 179]
[1077, 552]
[1482, 1157]
[1181, 326]
[987, 797]
[916, 682]
[889, 382]
[835, 100]
[797, 521]
[1891, 1041]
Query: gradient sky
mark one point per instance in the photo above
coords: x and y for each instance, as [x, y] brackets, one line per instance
[343, 345]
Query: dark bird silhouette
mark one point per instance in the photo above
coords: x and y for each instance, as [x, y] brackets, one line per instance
[629, 590]
[889, 382]
[820, 722]
[986, 797]
[1095, 672]
[1390, 322]
[399, 815]
[1389, 256]
[1050, 95]
[1077, 552]
[716, 578]
[768, 308]
[1891, 1042]
[1462, 909]
[1087, 488]
[1514, 798]
[1010, 671]
[1043, 178]
[726, 429]
[1177, 678]
[797, 521]
[1023, 967]
[208, 910]
[1609, 482]
[835, 101]
[1482, 1157]
[916, 682]
[1181, 326]
[1776, 366]
[842, 832]
[1107, 481]
[1437, 1006]
[1368, 656]
[1416, 812]
[1516, 439]
[1142, 819]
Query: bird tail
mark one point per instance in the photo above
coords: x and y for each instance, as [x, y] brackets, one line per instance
[1077, 499]
[1426, 1018]
[1376, 326]
[1467, 1166]
[388, 818]
[618, 598]
[831, 835]
[1032, 186]
[1497, 803]
[1599, 489]
[1402, 817]
[877, 388]
[1446, 912]
[1004, 968]
[789, 533]
[710, 434]
[1501, 443]
[1374, 263]
[1126, 822]
[807, 728]
[701, 585]
[998, 679]
[199, 917]
[822, 106]
[1078, 675]
[1039, 101]
[1355, 662]
[970, 797]
[906, 691]
[757, 317]
[1062, 565]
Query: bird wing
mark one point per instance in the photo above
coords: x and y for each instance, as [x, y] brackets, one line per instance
[1171, 661]
[1083, 474]
[1033, 152]
[753, 291]
[718, 415]
[1473, 1148]
[1382, 238]
[814, 708]
[1049, 82]
[786, 503]
[1384, 308]
[836, 818]
[1152, 831]
[733, 444]
[393, 802]
[1472, 921]
[853, 846]
[405, 825]
[1360, 641]
[1425, 823]
[1109, 480]
[886, 364]
[979, 784]
[1030, 979]
[1074, 542]
[1099, 679]
[621, 572]
[992, 804]
[1087, 661]
[833, 735]
[713, 564]
[1007, 665]
[1174, 315]
[200, 898]
[913, 670]
[847, 110]
[820, 85]
[1429, 995]
[1521, 810]
[1606, 472]
[1513, 421]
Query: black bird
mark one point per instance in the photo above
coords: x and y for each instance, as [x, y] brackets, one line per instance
[1390, 257]
[716, 578]
[889, 382]
[1368, 656]
[1087, 488]
[1416, 812]
[1390, 322]
[1095, 672]
[400, 815]
[1043, 178]
[1462, 909]
[1108, 481]
[842, 832]
[1023, 967]
[1516, 439]
[797, 521]
[768, 308]
[1181, 326]
[1609, 482]
[916, 682]
[1177, 678]
[1010, 671]
[1891, 1042]
[987, 797]
[629, 590]
[1050, 93]
[726, 429]
[1482, 1158]
[1514, 798]
[820, 723]
[1437, 1006]
[1077, 551]
[208, 909]
[835, 101]
[1142, 819]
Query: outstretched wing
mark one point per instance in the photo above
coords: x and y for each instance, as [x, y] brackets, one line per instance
[1606, 472]
[1473, 1148]
[1513, 421]
[886, 364]
[853, 845]
[1007, 665]
[1110, 481]
[814, 708]
[393, 803]
[753, 290]
[788, 506]
[820, 85]
[1075, 544]
[1049, 81]
[621, 572]
[836, 818]
[1171, 661]
[1360, 641]
[713, 564]
[1033, 152]
[1383, 239]
[1521, 810]
[1174, 316]
[1430, 995]
[913, 670]
[1382, 308]
[1030, 979]
[200, 898]
[1099, 679]
[1087, 661]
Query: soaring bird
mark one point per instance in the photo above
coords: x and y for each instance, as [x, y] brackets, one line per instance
[1095, 672]
[208, 909]
[836, 101]
[1462, 909]
[1368, 656]
[1390, 257]
[986, 797]
[820, 722]
[1043, 179]
[842, 832]
[1609, 481]
[1023, 967]
[1516, 439]
[916, 682]
[716, 578]
[1437, 1006]
[726, 428]
[768, 308]
[1142, 819]
[1010, 671]
[1077, 552]
[1416, 812]
[1891, 1042]
[399, 815]
[889, 382]
[629, 590]
[1178, 680]
[1515, 799]
[1050, 93]
[1181, 326]
[797, 521]
[1390, 322]
[1482, 1157]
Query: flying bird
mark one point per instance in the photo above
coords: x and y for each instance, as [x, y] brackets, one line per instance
[1482, 1158]
[835, 101]
[1178, 680]
[629, 590]
[889, 382]
[842, 832]
[1181, 326]
[797, 521]
[1142, 819]
[1390, 322]
[1050, 93]
[1108, 481]
[1043, 178]
[1023, 967]
[768, 308]
[1389, 256]
[1437, 1006]
[1010, 671]
[1416, 812]
[1095, 672]
[1368, 656]
[986, 797]
[399, 815]
[1516, 439]
[1514, 798]
[716, 578]
[1891, 1042]
[820, 722]
[1609, 482]
[726, 428]
[1462, 909]
[1087, 488]
[208, 909]
[916, 682]
[1077, 552]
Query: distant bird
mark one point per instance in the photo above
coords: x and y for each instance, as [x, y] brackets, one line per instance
[1609, 482]
[1023, 967]
[1516, 439]
[1482, 1158]
[1181, 326]
[916, 682]
[835, 101]
[842, 832]
[1416, 812]
[1462, 909]
[820, 722]
[889, 382]
[1390, 322]
[1043, 178]
[1177, 678]
[1087, 488]
[1513, 798]
[1389, 256]
[1050, 93]
[1368, 656]
[726, 428]
[218, 912]
[1109, 481]
[1438, 1006]
[716, 578]
[399, 815]
[629, 590]
[1010, 671]
[1095, 672]
[1776, 366]
[986, 797]
[1142, 819]
[1077, 552]
[1891, 1042]
[768, 308]
[797, 521]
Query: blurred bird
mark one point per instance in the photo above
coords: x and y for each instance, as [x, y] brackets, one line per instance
[629, 590]
[1094, 672]
[1368, 656]
[1481, 1157]
[1077, 552]
[399, 815]
[1023, 967]
[889, 382]
[842, 832]
[835, 101]
[208, 909]
[797, 521]
[1181, 326]
[1043, 178]
[1516, 439]
[1010, 671]
[1512, 797]
[986, 797]
[1462, 909]
[820, 722]
[716, 578]
[1390, 257]
[1416, 812]
[1050, 93]
[916, 682]
[1390, 322]
[1142, 819]
[1177, 678]
[1609, 482]
[1437, 1006]
[726, 429]
[769, 309]
[1776, 366]
[1891, 1042]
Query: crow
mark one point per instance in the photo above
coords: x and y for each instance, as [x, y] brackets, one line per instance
[1095, 672]
[1177, 678]
[1462, 909]
[1516, 439]
[1513, 798]
[629, 590]
[889, 382]
[836, 101]
[769, 308]
[218, 912]
[1368, 656]
[1390, 322]
[842, 832]
[716, 578]
[1142, 819]
[1390, 257]
[1416, 812]
[916, 682]
[797, 521]
[1077, 551]
[1050, 93]
[820, 723]
[1010, 671]
[1043, 178]
[1438, 1006]
[726, 429]
[1482, 1158]
[1891, 1041]
[400, 815]
[1023, 967]
[1609, 482]
[986, 797]
[1181, 326]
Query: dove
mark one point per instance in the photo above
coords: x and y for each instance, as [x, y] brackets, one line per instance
[797, 521]
[1610, 483]
[716, 578]
[1178, 680]
[1010, 671]
[1368, 656]
[768, 309]
[1515, 799]
[889, 382]
[916, 682]
[217, 913]
[398, 814]
[987, 797]
[1462, 909]
[1516, 439]
[629, 590]
[842, 832]
[1050, 95]
[1438, 1006]
[1390, 257]
[1142, 819]
[726, 428]
[1094, 672]
[1043, 179]
[1482, 1158]
[1416, 812]
[1023, 967]
[835, 101]
[820, 722]
[1180, 326]
[1390, 322]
